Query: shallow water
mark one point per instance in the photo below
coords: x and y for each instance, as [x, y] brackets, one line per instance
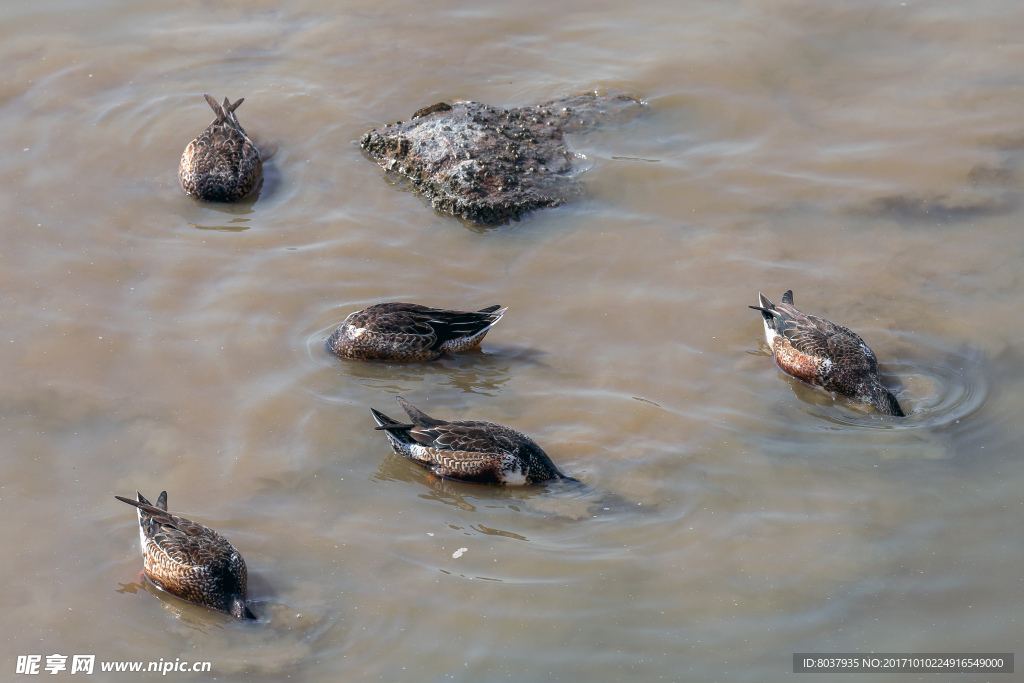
[867, 157]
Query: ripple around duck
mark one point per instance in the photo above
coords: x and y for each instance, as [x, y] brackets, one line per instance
[567, 500]
[937, 384]
[484, 371]
[153, 129]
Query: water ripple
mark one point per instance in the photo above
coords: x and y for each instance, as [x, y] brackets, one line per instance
[937, 384]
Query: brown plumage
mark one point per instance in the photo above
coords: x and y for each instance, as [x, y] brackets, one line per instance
[410, 332]
[189, 560]
[469, 450]
[824, 354]
[222, 164]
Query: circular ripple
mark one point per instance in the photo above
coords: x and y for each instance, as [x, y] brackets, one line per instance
[937, 385]
[478, 371]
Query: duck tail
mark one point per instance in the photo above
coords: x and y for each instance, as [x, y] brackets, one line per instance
[767, 309]
[395, 430]
[463, 330]
[494, 314]
[772, 318]
[385, 422]
[492, 309]
[143, 505]
[418, 417]
[230, 109]
[225, 112]
[222, 116]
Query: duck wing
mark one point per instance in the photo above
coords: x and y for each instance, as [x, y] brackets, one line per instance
[464, 437]
[823, 338]
[181, 540]
[434, 326]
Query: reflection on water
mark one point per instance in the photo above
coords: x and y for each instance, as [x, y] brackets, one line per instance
[941, 208]
[498, 532]
[483, 371]
[242, 207]
[394, 467]
[472, 372]
[187, 614]
[235, 225]
[564, 499]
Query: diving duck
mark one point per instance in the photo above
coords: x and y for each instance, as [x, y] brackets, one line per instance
[189, 560]
[468, 450]
[222, 164]
[824, 354]
[410, 332]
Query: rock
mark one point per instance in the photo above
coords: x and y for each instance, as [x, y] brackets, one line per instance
[489, 164]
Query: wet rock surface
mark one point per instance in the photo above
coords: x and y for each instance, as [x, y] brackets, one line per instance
[490, 164]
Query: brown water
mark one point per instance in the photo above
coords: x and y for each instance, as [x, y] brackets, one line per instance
[866, 155]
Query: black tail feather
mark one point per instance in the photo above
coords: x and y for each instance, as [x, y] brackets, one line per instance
[768, 312]
[145, 507]
[452, 324]
[222, 115]
[223, 111]
[394, 429]
[384, 421]
[418, 417]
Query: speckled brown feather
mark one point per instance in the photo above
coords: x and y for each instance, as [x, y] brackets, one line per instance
[825, 354]
[189, 560]
[471, 450]
[410, 332]
[222, 164]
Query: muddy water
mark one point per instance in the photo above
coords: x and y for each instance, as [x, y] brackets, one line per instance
[865, 155]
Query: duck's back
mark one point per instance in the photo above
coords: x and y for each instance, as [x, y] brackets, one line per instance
[222, 164]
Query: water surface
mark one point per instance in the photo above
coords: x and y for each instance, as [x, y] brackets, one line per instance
[866, 156]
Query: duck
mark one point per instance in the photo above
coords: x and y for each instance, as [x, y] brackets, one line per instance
[824, 354]
[190, 561]
[222, 164]
[468, 450]
[405, 332]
